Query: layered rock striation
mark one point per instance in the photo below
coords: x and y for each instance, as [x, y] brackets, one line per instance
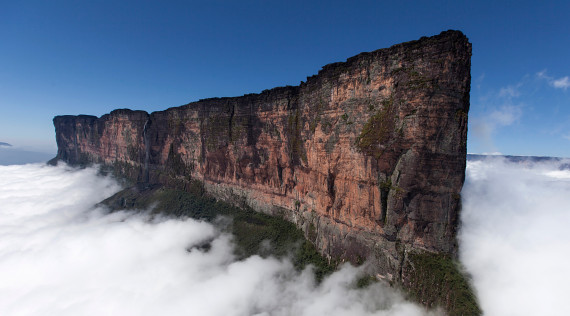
[367, 157]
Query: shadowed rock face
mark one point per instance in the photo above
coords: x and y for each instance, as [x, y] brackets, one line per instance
[367, 157]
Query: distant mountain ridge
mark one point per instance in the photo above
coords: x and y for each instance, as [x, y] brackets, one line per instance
[475, 157]
[564, 163]
[14, 155]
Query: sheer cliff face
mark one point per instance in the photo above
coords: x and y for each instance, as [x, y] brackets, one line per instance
[367, 157]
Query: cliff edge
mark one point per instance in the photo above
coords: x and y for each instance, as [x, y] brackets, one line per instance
[367, 157]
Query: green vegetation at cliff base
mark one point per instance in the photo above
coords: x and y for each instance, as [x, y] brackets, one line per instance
[252, 230]
[438, 280]
[430, 279]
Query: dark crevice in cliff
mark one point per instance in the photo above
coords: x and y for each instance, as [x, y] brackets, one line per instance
[280, 173]
[401, 249]
[231, 122]
[296, 144]
[253, 130]
[76, 144]
[146, 150]
[385, 187]
[330, 186]
[202, 116]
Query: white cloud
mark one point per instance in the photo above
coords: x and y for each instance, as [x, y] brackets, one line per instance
[505, 115]
[514, 238]
[542, 74]
[560, 83]
[504, 110]
[510, 92]
[477, 82]
[61, 256]
[484, 127]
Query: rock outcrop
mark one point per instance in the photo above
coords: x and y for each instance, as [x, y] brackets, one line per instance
[367, 157]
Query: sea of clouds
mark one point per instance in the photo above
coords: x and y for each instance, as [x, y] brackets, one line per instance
[60, 255]
[515, 238]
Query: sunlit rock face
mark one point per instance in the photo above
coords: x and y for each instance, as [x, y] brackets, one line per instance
[367, 156]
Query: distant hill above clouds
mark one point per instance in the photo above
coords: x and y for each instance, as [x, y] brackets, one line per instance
[563, 163]
[475, 157]
[10, 155]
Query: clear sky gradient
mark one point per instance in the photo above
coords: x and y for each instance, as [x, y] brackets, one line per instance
[90, 57]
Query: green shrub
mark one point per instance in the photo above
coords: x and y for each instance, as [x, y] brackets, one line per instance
[252, 230]
[438, 280]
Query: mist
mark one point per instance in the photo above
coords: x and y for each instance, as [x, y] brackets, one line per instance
[514, 238]
[60, 255]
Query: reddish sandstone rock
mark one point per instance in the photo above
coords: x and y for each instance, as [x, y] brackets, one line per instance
[367, 157]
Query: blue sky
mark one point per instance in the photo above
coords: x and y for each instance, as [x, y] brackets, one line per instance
[90, 57]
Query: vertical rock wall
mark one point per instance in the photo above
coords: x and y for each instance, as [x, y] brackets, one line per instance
[367, 157]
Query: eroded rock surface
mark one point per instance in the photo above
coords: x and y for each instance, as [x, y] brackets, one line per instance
[367, 156]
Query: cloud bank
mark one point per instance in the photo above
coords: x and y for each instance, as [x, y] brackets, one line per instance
[61, 256]
[514, 239]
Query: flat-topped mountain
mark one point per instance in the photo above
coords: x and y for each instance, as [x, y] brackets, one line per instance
[367, 157]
